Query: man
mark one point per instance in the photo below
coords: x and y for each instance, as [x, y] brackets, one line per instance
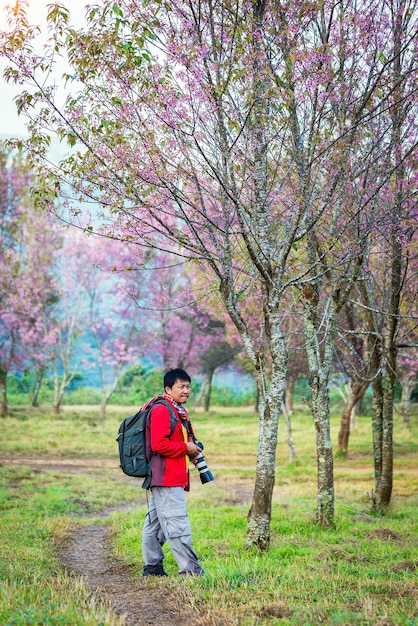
[167, 517]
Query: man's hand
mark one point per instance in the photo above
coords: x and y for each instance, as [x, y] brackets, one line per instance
[192, 449]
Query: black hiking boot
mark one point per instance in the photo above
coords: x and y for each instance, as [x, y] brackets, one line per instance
[154, 570]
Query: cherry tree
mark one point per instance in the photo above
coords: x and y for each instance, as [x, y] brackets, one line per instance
[118, 327]
[394, 237]
[93, 321]
[179, 325]
[351, 360]
[407, 374]
[28, 241]
[237, 135]
[297, 366]
[65, 323]
[407, 339]
[186, 334]
[218, 354]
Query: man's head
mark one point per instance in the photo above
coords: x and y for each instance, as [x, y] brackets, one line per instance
[177, 385]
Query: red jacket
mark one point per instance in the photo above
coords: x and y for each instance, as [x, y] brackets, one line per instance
[170, 464]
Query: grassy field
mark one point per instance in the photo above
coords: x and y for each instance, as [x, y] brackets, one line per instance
[361, 572]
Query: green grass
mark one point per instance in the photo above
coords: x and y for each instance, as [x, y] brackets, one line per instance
[35, 508]
[362, 572]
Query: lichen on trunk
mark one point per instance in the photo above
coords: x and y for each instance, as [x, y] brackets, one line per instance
[319, 368]
[259, 515]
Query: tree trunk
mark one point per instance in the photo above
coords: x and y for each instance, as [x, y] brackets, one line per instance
[357, 390]
[39, 375]
[407, 385]
[271, 399]
[259, 515]
[3, 387]
[290, 385]
[396, 264]
[202, 392]
[345, 425]
[377, 426]
[383, 394]
[319, 368]
[374, 347]
[290, 442]
[271, 394]
[208, 391]
[103, 405]
[107, 392]
[384, 489]
[325, 460]
[257, 399]
[58, 392]
[105, 397]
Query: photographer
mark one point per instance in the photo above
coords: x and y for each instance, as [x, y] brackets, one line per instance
[167, 517]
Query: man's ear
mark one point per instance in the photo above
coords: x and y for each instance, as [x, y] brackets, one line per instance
[167, 390]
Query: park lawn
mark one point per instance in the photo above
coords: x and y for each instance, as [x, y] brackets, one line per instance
[363, 571]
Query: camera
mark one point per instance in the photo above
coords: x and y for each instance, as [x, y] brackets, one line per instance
[206, 475]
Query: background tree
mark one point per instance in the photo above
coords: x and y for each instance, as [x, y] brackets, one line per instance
[352, 361]
[407, 339]
[27, 245]
[218, 354]
[117, 326]
[181, 327]
[65, 323]
[297, 366]
[383, 301]
[407, 374]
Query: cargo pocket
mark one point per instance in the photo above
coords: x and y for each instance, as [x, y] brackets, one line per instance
[178, 523]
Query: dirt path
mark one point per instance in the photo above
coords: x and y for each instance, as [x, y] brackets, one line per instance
[78, 465]
[87, 554]
[57, 463]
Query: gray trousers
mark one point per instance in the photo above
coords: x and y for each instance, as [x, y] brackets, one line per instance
[167, 520]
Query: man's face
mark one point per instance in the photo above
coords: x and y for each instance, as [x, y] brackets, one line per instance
[180, 391]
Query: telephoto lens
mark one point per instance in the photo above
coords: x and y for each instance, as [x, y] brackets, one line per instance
[206, 475]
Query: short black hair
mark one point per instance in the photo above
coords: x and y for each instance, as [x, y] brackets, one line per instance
[172, 375]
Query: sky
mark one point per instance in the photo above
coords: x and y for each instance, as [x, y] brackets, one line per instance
[11, 125]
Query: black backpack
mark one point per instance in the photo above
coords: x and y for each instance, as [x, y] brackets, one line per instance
[132, 441]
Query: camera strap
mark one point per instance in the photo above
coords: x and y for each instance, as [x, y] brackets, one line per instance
[187, 425]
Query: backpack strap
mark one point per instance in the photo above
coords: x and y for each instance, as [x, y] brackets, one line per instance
[173, 423]
[173, 418]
